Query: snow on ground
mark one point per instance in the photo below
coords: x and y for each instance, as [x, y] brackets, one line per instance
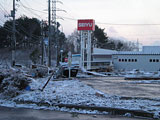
[145, 82]
[93, 73]
[76, 93]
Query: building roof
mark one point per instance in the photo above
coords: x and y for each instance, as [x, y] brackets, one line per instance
[99, 51]
[146, 50]
[76, 55]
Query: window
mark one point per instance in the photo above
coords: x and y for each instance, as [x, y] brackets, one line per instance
[135, 60]
[125, 60]
[154, 60]
[132, 60]
[157, 60]
[150, 60]
[120, 60]
[129, 60]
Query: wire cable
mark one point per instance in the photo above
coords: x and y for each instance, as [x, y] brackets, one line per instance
[30, 10]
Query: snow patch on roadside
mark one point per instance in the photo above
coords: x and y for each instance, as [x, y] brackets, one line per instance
[145, 82]
[78, 93]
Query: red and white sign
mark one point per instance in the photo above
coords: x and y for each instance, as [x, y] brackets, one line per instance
[65, 59]
[88, 24]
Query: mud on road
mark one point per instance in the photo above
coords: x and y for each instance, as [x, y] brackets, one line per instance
[125, 88]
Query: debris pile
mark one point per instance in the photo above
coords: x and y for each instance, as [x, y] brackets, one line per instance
[39, 71]
[13, 82]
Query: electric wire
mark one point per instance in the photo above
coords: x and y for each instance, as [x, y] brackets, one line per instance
[30, 10]
[3, 9]
[34, 9]
[74, 19]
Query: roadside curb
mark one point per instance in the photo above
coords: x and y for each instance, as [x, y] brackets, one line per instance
[110, 110]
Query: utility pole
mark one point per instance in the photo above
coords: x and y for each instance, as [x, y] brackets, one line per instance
[49, 36]
[42, 44]
[14, 35]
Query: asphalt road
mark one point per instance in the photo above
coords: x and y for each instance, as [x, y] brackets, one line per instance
[126, 88]
[30, 114]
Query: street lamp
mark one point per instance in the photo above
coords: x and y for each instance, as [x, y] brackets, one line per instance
[61, 54]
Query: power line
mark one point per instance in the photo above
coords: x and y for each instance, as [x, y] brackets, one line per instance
[118, 24]
[31, 11]
[20, 27]
[128, 24]
[3, 9]
[143, 35]
[73, 19]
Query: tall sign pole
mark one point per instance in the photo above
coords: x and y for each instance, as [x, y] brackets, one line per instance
[86, 26]
[49, 36]
[69, 63]
[89, 51]
[81, 59]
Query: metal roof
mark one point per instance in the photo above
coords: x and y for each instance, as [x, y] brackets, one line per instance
[136, 53]
[146, 50]
[99, 51]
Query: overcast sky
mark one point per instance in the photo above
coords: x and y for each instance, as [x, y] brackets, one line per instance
[109, 12]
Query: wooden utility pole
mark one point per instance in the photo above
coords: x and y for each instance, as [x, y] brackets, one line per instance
[42, 44]
[49, 36]
[14, 35]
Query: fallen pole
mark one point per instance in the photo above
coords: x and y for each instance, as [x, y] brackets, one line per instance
[47, 81]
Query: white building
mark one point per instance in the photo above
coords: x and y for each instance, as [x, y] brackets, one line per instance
[147, 60]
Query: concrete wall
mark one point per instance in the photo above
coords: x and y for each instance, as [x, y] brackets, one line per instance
[102, 58]
[141, 62]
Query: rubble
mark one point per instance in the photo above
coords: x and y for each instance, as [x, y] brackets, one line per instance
[13, 82]
[39, 71]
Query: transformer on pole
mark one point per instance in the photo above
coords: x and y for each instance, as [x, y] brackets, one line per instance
[86, 27]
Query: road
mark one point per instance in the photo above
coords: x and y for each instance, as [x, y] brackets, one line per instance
[121, 87]
[30, 114]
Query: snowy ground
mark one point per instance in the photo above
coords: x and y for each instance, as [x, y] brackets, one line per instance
[72, 92]
[77, 93]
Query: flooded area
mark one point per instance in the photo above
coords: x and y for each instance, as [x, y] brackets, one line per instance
[127, 88]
